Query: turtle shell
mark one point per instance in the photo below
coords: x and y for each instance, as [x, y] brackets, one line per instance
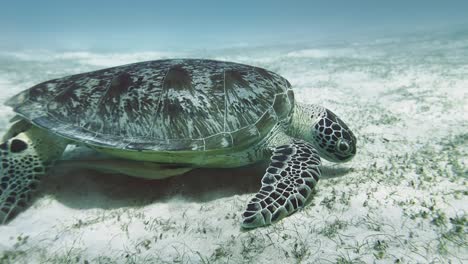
[162, 105]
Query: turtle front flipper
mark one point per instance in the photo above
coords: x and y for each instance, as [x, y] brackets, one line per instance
[25, 157]
[286, 186]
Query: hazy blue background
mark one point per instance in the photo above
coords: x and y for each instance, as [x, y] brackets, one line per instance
[170, 25]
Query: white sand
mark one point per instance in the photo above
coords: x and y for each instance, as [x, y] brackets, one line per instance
[403, 199]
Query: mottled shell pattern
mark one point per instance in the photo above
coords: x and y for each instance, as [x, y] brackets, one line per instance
[162, 105]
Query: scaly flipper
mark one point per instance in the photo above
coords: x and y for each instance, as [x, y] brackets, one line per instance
[286, 186]
[25, 157]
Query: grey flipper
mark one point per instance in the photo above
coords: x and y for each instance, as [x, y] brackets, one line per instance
[25, 157]
[286, 186]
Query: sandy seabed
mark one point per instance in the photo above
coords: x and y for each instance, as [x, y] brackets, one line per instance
[402, 199]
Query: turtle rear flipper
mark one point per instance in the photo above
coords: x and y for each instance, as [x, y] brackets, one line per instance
[286, 186]
[24, 159]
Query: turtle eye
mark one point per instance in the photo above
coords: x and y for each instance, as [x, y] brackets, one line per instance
[343, 146]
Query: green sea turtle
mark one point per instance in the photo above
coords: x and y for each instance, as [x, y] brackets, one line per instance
[165, 117]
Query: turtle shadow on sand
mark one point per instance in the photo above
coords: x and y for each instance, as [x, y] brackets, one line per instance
[86, 189]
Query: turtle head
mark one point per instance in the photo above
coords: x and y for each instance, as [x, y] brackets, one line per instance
[331, 136]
